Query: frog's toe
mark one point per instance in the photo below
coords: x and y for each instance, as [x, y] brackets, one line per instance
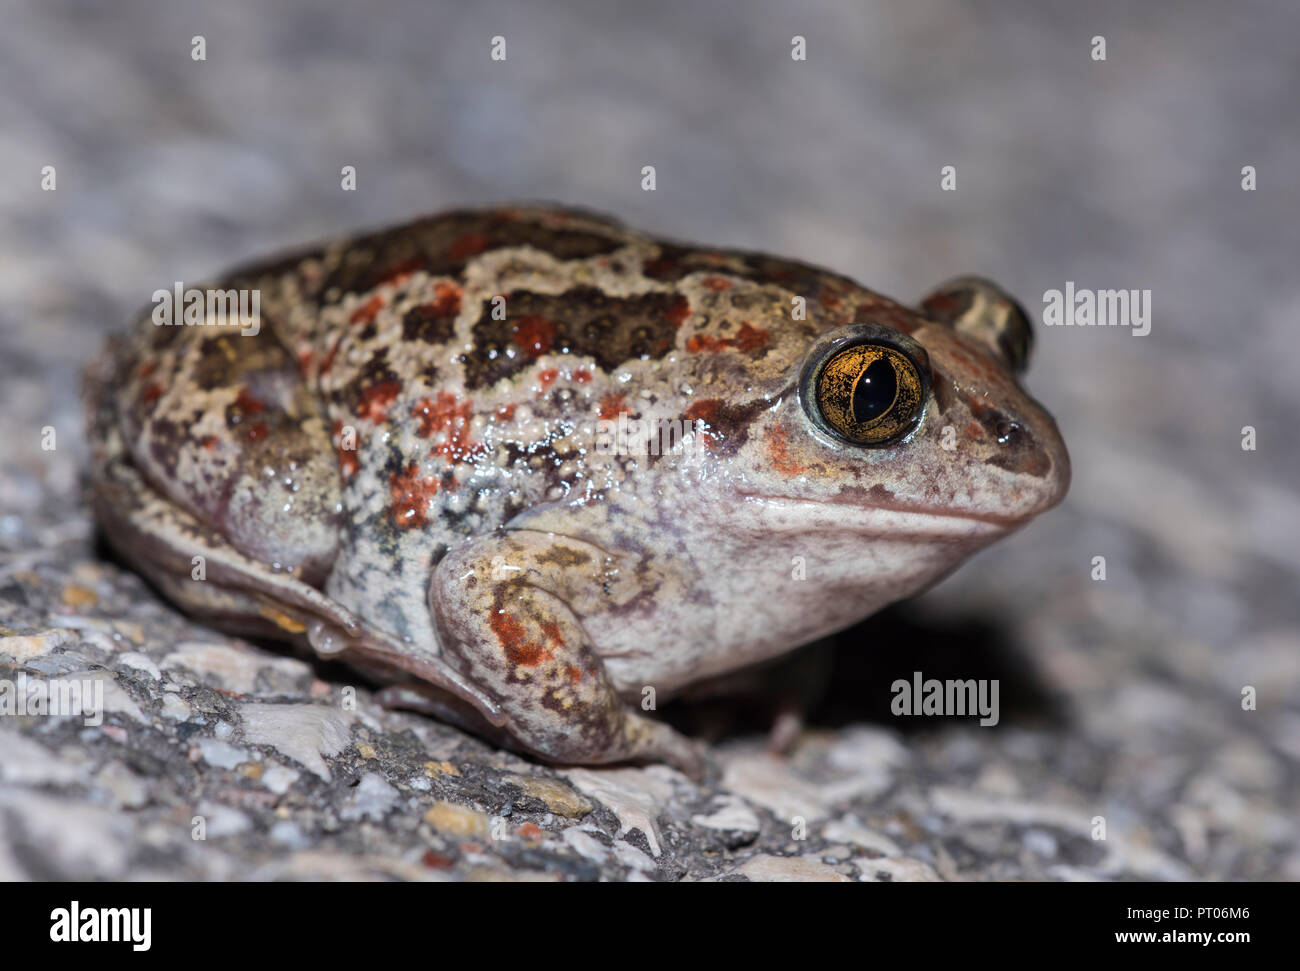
[664, 744]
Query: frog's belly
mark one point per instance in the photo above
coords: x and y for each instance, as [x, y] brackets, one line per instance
[385, 581]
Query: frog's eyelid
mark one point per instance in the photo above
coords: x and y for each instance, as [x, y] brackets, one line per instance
[983, 311]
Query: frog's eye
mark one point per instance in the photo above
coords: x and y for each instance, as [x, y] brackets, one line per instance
[867, 385]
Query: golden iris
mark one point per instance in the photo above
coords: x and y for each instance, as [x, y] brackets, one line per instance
[871, 394]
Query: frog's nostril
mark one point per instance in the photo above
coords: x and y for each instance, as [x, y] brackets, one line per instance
[1006, 431]
[1018, 451]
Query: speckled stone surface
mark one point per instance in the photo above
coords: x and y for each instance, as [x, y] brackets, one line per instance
[1120, 698]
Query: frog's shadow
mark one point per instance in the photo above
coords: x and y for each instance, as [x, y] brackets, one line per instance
[847, 679]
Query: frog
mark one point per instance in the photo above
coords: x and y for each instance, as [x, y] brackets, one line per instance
[428, 459]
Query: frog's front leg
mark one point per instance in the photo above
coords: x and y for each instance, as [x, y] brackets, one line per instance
[509, 609]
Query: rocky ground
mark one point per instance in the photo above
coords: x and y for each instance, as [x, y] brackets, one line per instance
[1121, 698]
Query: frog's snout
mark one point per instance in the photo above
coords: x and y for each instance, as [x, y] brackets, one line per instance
[1031, 448]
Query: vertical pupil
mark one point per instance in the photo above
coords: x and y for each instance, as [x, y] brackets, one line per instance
[875, 391]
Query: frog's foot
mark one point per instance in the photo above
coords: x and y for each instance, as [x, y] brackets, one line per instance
[508, 609]
[446, 707]
[786, 728]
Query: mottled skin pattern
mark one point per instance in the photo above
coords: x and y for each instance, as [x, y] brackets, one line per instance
[406, 479]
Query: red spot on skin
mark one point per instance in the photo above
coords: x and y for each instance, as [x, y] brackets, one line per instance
[411, 493]
[348, 461]
[552, 631]
[304, 360]
[505, 413]
[535, 334]
[366, 312]
[974, 429]
[944, 303]
[444, 414]
[706, 411]
[717, 284]
[530, 831]
[445, 303]
[328, 363]
[257, 431]
[574, 673]
[519, 651]
[376, 400]
[152, 393]
[613, 405]
[438, 414]
[247, 404]
[547, 378]
[706, 342]
[679, 311]
[209, 442]
[147, 369]
[778, 451]
[446, 300]
[582, 376]
[466, 245]
[747, 339]
[750, 338]
[401, 272]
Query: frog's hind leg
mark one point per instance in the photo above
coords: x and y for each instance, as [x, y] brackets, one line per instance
[222, 424]
[509, 609]
[219, 574]
[201, 572]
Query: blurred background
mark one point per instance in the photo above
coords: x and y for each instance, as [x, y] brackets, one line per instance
[1123, 173]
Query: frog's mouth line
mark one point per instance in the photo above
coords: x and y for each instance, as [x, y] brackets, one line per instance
[885, 520]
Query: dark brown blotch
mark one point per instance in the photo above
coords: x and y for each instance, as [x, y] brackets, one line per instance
[674, 262]
[726, 426]
[583, 321]
[430, 323]
[565, 557]
[443, 244]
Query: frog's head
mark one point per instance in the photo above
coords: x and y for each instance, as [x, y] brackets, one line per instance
[910, 428]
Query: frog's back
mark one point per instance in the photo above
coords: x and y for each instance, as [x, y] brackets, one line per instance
[453, 372]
